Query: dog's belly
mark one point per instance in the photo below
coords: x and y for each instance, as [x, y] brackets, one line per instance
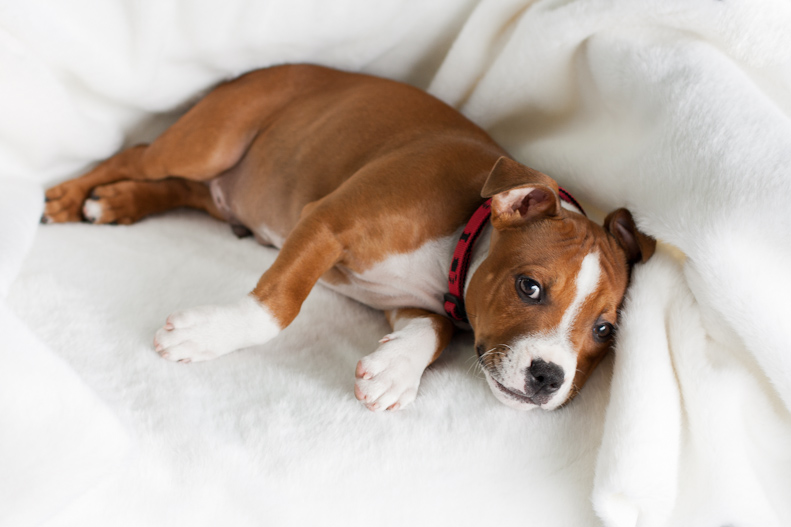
[416, 279]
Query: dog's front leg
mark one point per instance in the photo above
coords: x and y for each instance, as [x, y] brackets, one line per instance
[388, 378]
[209, 332]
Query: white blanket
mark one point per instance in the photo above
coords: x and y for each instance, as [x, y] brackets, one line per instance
[677, 110]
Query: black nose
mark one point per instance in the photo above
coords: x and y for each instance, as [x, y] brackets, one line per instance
[543, 378]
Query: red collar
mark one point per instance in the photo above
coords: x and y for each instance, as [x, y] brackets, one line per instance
[454, 298]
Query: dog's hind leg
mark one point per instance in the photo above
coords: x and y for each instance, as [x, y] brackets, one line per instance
[126, 202]
[208, 140]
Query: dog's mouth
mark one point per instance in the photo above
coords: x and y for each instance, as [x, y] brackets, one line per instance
[509, 396]
[514, 394]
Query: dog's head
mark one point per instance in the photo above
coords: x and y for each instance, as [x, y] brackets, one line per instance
[544, 303]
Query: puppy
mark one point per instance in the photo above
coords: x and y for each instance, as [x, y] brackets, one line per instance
[387, 195]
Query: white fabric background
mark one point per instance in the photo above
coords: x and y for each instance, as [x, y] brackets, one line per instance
[677, 110]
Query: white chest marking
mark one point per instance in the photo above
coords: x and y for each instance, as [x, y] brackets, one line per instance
[414, 279]
[266, 236]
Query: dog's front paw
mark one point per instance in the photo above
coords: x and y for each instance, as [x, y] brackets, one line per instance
[209, 332]
[388, 378]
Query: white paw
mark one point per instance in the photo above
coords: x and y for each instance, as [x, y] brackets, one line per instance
[209, 332]
[388, 378]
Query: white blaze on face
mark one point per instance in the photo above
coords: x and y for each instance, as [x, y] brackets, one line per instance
[553, 344]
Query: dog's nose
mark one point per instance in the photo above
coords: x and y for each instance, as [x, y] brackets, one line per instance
[543, 378]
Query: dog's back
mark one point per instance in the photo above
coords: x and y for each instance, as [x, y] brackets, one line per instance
[405, 151]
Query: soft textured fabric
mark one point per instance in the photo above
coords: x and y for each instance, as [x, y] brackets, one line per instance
[678, 110]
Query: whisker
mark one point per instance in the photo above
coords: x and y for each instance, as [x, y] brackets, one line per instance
[477, 364]
[476, 368]
[473, 361]
[494, 352]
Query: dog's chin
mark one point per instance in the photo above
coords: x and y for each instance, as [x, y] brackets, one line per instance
[509, 398]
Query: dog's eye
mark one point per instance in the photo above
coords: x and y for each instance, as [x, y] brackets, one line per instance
[603, 331]
[529, 290]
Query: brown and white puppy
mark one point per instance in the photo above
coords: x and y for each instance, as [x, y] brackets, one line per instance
[366, 184]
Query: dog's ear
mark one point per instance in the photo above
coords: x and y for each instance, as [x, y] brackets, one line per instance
[519, 194]
[638, 246]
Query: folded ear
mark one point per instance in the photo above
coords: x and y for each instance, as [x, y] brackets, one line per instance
[638, 246]
[519, 194]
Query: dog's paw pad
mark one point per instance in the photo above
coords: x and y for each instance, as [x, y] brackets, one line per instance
[388, 382]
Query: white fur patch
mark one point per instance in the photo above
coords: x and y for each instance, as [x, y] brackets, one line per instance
[416, 279]
[266, 236]
[568, 206]
[209, 332]
[389, 377]
[585, 283]
[92, 210]
[554, 345]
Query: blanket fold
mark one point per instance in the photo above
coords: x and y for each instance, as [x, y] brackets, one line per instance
[57, 439]
[637, 466]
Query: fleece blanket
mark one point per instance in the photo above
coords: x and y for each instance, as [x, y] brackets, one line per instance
[677, 110]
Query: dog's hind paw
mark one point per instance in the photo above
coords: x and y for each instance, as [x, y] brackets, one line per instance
[120, 203]
[64, 203]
